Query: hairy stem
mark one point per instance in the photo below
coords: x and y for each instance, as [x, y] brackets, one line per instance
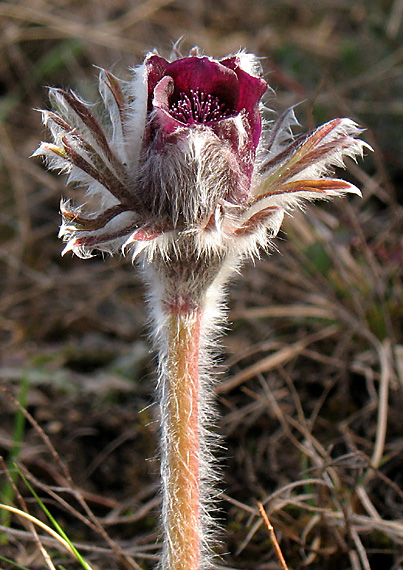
[181, 442]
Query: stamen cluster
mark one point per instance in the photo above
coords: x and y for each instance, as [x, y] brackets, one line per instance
[197, 107]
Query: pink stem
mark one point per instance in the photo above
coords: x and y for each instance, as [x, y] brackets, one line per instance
[181, 448]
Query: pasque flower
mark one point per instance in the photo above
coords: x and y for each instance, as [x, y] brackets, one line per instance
[186, 175]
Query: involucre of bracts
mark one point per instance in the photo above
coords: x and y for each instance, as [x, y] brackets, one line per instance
[183, 154]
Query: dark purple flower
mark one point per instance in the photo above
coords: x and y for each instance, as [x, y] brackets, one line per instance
[201, 91]
[201, 108]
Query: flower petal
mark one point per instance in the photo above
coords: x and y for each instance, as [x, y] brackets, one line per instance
[208, 76]
[162, 92]
[251, 90]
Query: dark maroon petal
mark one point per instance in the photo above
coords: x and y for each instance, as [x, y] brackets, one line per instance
[162, 93]
[155, 69]
[203, 74]
[251, 90]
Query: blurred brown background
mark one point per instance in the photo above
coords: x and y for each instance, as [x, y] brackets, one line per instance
[310, 393]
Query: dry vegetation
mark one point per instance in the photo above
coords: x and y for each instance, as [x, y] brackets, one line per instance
[311, 387]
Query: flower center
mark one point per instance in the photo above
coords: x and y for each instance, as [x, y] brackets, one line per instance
[197, 107]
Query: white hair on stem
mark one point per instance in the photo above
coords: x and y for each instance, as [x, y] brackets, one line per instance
[172, 390]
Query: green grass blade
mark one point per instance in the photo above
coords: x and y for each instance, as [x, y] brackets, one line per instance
[56, 525]
[6, 491]
[12, 563]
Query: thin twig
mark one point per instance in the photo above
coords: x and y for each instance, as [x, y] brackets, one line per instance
[273, 538]
[275, 360]
[384, 359]
[38, 522]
